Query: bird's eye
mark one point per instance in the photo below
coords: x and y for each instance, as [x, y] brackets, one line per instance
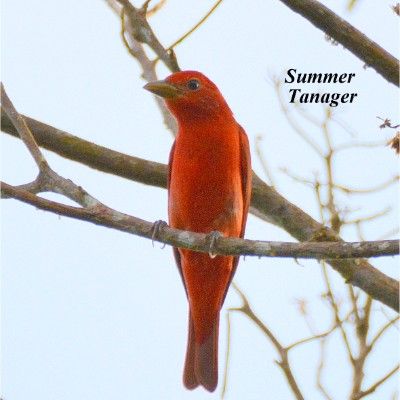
[193, 84]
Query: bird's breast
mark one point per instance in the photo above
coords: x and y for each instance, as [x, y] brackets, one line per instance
[205, 185]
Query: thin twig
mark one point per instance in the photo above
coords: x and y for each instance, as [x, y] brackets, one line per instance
[181, 39]
[368, 218]
[372, 389]
[263, 161]
[362, 329]
[382, 331]
[292, 122]
[377, 188]
[283, 363]
[335, 310]
[353, 145]
[25, 134]
[228, 352]
[311, 338]
[320, 370]
[157, 7]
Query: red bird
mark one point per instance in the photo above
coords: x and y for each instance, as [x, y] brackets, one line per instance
[209, 188]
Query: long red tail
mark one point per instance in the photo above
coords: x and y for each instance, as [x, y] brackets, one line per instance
[201, 365]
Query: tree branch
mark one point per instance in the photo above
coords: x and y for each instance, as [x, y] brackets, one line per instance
[23, 131]
[351, 38]
[90, 154]
[142, 32]
[105, 216]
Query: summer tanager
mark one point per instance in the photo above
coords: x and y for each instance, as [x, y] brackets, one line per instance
[209, 187]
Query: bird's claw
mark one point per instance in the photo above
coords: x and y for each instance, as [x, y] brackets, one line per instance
[213, 237]
[155, 229]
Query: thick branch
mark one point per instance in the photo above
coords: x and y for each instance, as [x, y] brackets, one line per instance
[265, 201]
[90, 154]
[351, 38]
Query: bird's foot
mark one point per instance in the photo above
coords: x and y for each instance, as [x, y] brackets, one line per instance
[155, 229]
[213, 237]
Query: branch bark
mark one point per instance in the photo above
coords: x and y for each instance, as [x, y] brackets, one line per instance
[351, 38]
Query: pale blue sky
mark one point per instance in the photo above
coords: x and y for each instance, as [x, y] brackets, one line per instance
[91, 313]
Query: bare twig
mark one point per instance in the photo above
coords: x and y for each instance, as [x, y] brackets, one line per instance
[368, 218]
[24, 133]
[228, 351]
[283, 352]
[181, 39]
[277, 83]
[314, 337]
[362, 329]
[264, 162]
[335, 311]
[157, 7]
[320, 370]
[376, 188]
[372, 389]
[352, 145]
[383, 329]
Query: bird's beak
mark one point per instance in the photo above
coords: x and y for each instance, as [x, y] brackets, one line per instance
[163, 89]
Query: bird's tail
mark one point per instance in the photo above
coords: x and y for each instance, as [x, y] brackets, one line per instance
[201, 365]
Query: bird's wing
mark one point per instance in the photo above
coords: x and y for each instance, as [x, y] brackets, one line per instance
[177, 255]
[170, 162]
[245, 174]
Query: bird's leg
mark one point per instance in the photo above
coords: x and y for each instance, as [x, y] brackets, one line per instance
[213, 237]
[155, 229]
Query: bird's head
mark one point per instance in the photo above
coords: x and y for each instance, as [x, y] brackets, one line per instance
[190, 95]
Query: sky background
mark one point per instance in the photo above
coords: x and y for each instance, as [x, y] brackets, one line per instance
[92, 313]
